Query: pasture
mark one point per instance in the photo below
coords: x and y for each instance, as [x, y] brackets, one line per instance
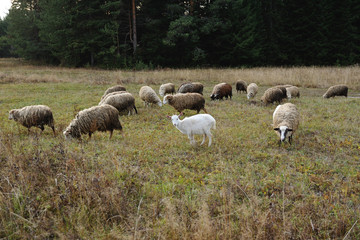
[148, 182]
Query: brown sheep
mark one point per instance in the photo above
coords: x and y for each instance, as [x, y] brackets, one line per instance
[192, 101]
[194, 87]
[114, 89]
[337, 90]
[221, 90]
[122, 101]
[273, 94]
[241, 86]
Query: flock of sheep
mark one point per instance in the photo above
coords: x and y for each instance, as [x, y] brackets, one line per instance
[105, 116]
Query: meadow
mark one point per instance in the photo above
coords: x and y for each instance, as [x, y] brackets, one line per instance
[148, 182]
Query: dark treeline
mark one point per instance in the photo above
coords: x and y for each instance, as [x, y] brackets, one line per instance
[173, 33]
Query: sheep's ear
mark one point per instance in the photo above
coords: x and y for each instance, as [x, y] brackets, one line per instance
[181, 114]
[276, 129]
[168, 117]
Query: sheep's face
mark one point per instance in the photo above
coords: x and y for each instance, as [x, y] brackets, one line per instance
[213, 96]
[12, 115]
[71, 132]
[166, 99]
[284, 132]
[250, 95]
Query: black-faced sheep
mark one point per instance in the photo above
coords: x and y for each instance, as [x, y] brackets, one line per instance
[285, 121]
[122, 101]
[194, 87]
[148, 95]
[98, 118]
[292, 92]
[33, 116]
[241, 86]
[337, 90]
[167, 88]
[192, 101]
[273, 94]
[114, 89]
[221, 90]
[252, 90]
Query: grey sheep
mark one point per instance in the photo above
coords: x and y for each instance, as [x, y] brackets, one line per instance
[194, 87]
[148, 95]
[166, 89]
[337, 90]
[181, 101]
[292, 92]
[114, 89]
[121, 101]
[273, 94]
[111, 94]
[285, 121]
[241, 86]
[252, 90]
[98, 118]
[33, 116]
[220, 91]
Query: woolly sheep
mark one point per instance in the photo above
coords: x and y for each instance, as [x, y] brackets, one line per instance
[194, 87]
[199, 124]
[98, 118]
[148, 95]
[166, 88]
[271, 95]
[241, 86]
[111, 94]
[292, 92]
[337, 90]
[33, 116]
[122, 101]
[114, 89]
[192, 101]
[221, 90]
[286, 121]
[252, 90]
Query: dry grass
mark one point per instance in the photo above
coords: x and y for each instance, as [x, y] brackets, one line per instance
[150, 183]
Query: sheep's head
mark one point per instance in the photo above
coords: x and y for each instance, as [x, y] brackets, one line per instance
[283, 132]
[250, 95]
[213, 96]
[72, 131]
[166, 99]
[13, 114]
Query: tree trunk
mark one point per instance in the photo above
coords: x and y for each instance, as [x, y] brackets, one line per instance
[134, 27]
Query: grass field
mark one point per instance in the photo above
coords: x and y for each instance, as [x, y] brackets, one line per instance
[150, 183]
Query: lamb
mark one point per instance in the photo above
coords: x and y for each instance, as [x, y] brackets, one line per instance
[241, 86]
[271, 95]
[221, 90]
[166, 88]
[192, 101]
[114, 89]
[33, 116]
[337, 90]
[194, 87]
[292, 92]
[195, 125]
[148, 95]
[98, 118]
[285, 121]
[252, 90]
[122, 101]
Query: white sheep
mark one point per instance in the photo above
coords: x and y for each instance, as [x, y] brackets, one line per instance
[292, 92]
[199, 124]
[285, 121]
[252, 90]
[148, 95]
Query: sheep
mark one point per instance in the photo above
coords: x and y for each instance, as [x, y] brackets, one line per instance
[241, 86]
[98, 118]
[114, 89]
[252, 90]
[271, 95]
[194, 87]
[33, 116]
[111, 94]
[337, 90]
[199, 124]
[122, 101]
[285, 121]
[166, 88]
[292, 92]
[192, 101]
[221, 90]
[148, 95]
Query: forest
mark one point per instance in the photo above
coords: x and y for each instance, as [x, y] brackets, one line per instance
[148, 34]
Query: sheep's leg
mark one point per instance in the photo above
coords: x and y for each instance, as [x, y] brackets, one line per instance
[290, 139]
[89, 135]
[192, 140]
[205, 110]
[41, 127]
[111, 133]
[53, 128]
[209, 136]
[203, 139]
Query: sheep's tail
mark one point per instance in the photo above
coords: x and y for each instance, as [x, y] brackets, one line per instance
[214, 125]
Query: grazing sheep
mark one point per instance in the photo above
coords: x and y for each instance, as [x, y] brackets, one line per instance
[192, 101]
[148, 95]
[252, 90]
[285, 121]
[194, 87]
[273, 94]
[199, 124]
[221, 90]
[122, 101]
[98, 118]
[337, 90]
[33, 116]
[111, 94]
[292, 92]
[113, 89]
[241, 86]
[166, 88]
